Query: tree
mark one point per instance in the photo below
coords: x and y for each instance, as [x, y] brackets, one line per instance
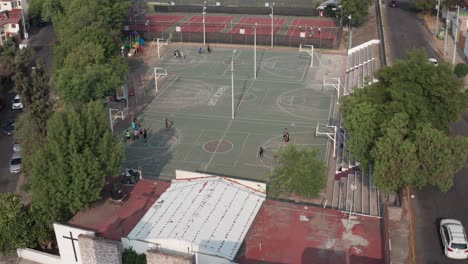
[395, 162]
[426, 5]
[440, 157]
[96, 79]
[68, 173]
[299, 171]
[391, 123]
[15, 224]
[357, 9]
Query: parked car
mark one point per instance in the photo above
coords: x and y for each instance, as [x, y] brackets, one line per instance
[454, 239]
[434, 61]
[9, 129]
[393, 3]
[15, 163]
[16, 147]
[16, 104]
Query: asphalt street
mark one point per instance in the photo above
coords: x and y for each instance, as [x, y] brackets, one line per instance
[405, 31]
[41, 40]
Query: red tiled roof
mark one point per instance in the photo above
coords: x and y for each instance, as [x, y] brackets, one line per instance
[115, 220]
[14, 17]
[291, 233]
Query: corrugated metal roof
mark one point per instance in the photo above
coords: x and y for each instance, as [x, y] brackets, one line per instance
[212, 214]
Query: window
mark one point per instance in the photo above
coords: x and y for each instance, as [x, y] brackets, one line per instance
[19, 3]
[446, 234]
[13, 25]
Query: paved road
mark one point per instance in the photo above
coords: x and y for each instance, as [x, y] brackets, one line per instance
[42, 41]
[429, 204]
[7, 181]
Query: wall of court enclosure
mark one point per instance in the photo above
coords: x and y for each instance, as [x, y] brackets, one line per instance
[283, 11]
[246, 3]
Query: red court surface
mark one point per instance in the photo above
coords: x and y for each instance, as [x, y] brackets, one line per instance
[157, 23]
[312, 25]
[285, 233]
[263, 27]
[212, 23]
[114, 220]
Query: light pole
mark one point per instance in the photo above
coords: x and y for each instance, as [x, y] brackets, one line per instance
[353, 188]
[26, 35]
[350, 39]
[272, 17]
[232, 82]
[204, 32]
[447, 23]
[437, 20]
[255, 51]
[456, 35]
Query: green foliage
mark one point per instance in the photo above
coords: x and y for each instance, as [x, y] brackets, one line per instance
[425, 5]
[18, 225]
[68, 173]
[440, 157]
[299, 171]
[7, 57]
[88, 63]
[129, 256]
[357, 9]
[35, 9]
[96, 79]
[391, 121]
[461, 69]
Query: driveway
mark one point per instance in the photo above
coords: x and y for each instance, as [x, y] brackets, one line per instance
[405, 31]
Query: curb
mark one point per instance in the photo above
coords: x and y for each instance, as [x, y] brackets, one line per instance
[412, 242]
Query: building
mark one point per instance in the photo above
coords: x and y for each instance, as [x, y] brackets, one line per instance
[201, 218]
[11, 20]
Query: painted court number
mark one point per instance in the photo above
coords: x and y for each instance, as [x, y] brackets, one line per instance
[215, 98]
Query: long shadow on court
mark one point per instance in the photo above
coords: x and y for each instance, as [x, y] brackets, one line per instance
[152, 155]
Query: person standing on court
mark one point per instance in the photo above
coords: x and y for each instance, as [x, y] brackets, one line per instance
[260, 152]
[200, 50]
[208, 48]
[145, 135]
[127, 134]
[166, 121]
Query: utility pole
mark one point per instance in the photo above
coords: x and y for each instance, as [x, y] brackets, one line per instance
[204, 30]
[232, 82]
[437, 20]
[255, 51]
[272, 19]
[456, 37]
[447, 23]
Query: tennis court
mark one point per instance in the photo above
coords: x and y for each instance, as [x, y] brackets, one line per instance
[212, 23]
[196, 99]
[263, 25]
[156, 22]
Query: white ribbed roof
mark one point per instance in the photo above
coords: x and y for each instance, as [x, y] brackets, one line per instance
[211, 214]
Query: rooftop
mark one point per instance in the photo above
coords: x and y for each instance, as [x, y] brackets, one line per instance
[211, 214]
[114, 220]
[13, 17]
[291, 233]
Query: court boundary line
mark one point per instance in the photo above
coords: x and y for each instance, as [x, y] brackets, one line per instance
[217, 147]
[317, 82]
[242, 148]
[208, 117]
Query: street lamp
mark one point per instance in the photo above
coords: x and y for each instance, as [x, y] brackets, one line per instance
[232, 82]
[255, 51]
[272, 16]
[204, 32]
[350, 34]
[437, 20]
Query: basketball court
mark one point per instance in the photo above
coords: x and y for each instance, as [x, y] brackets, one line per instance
[206, 135]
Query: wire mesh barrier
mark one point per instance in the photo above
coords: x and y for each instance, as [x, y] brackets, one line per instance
[320, 33]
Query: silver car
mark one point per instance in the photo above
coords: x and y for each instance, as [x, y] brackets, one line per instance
[16, 147]
[15, 163]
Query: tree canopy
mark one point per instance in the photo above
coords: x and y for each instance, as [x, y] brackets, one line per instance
[391, 122]
[357, 9]
[18, 224]
[69, 172]
[298, 171]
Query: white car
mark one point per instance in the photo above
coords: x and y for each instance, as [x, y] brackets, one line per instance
[15, 163]
[16, 104]
[434, 61]
[454, 239]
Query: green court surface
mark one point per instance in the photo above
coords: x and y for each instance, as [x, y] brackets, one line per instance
[196, 98]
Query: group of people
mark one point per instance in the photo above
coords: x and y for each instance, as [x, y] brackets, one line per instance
[138, 132]
[179, 54]
[285, 138]
[208, 48]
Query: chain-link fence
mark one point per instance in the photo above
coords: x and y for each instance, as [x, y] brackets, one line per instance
[291, 35]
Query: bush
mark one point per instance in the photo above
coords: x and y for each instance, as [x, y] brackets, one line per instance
[461, 69]
[129, 256]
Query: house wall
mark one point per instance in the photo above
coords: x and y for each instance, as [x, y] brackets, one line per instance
[158, 257]
[98, 250]
[12, 28]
